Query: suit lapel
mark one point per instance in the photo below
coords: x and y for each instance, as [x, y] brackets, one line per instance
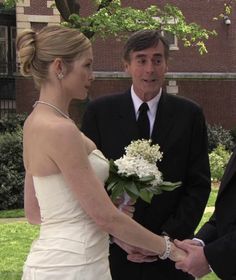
[127, 119]
[163, 122]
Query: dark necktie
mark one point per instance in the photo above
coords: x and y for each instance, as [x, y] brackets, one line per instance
[143, 122]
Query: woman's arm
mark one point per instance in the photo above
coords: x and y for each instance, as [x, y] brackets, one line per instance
[31, 205]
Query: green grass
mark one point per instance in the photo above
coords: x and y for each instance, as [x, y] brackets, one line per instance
[213, 195]
[16, 213]
[205, 218]
[16, 238]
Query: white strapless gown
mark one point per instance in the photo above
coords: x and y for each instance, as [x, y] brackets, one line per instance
[70, 245]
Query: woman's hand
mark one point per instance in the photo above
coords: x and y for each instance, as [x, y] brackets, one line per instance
[177, 254]
[136, 254]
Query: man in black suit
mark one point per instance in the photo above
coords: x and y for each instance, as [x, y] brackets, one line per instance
[217, 237]
[178, 126]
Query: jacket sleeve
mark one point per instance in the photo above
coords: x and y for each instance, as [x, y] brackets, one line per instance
[196, 184]
[221, 255]
[208, 232]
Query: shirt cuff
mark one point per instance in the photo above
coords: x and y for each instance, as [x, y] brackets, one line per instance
[200, 241]
[203, 244]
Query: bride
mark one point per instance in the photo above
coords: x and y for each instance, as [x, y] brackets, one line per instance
[65, 173]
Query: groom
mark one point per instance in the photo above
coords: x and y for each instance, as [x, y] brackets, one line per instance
[178, 126]
[218, 234]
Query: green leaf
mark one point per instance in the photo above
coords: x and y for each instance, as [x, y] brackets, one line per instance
[154, 190]
[131, 189]
[168, 186]
[147, 178]
[146, 196]
[111, 185]
[117, 191]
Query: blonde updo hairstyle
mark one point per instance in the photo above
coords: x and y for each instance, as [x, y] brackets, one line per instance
[37, 51]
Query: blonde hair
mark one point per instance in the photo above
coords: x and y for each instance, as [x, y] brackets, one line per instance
[37, 51]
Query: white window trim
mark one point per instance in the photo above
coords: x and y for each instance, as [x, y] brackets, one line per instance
[174, 46]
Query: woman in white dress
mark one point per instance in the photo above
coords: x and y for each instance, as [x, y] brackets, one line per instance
[65, 174]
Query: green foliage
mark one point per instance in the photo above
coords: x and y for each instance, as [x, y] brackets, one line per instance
[114, 20]
[11, 170]
[134, 186]
[228, 9]
[233, 134]
[212, 196]
[10, 3]
[15, 213]
[219, 158]
[218, 135]
[12, 123]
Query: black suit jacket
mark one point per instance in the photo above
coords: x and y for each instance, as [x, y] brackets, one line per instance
[180, 131]
[219, 234]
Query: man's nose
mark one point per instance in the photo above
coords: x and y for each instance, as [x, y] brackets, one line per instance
[150, 66]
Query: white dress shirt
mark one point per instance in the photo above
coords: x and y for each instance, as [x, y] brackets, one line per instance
[152, 104]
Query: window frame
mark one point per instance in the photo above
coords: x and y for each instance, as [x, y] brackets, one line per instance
[6, 39]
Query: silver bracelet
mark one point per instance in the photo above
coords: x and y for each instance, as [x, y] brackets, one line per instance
[167, 252]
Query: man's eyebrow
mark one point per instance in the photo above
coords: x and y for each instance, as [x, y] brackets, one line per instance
[144, 55]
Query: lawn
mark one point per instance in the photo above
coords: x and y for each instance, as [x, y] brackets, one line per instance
[16, 238]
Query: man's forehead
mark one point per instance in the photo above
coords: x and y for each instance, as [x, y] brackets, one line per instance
[153, 51]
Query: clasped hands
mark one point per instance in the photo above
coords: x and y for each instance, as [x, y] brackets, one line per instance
[193, 261]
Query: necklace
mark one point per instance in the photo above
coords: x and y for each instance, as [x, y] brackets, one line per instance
[52, 106]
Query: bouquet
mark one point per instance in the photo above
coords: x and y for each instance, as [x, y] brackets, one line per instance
[136, 175]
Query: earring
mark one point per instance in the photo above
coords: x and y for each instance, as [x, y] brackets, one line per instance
[60, 76]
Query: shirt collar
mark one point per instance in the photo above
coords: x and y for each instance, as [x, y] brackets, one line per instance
[152, 104]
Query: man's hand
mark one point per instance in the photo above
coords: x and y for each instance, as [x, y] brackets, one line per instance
[127, 208]
[136, 254]
[195, 263]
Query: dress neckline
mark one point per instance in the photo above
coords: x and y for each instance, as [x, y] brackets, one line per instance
[96, 152]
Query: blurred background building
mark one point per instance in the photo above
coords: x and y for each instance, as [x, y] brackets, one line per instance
[210, 79]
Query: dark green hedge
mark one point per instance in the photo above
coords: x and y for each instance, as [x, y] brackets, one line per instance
[11, 163]
[217, 135]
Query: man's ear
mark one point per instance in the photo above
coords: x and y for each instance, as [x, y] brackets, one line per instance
[126, 66]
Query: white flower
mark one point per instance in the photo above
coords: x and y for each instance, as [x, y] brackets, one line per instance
[131, 165]
[144, 149]
[136, 173]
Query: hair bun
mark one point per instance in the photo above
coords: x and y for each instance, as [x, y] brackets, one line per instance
[26, 46]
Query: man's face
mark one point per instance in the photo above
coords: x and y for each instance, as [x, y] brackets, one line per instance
[147, 69]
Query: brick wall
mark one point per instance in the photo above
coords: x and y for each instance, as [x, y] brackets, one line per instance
[221, 56]
[216, 96]
[30, 12]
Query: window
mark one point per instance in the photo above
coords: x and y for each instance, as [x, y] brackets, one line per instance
[13, 49]
[3, 50]
[172, 39]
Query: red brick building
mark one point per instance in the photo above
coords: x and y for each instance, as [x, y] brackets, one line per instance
[210, 79]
